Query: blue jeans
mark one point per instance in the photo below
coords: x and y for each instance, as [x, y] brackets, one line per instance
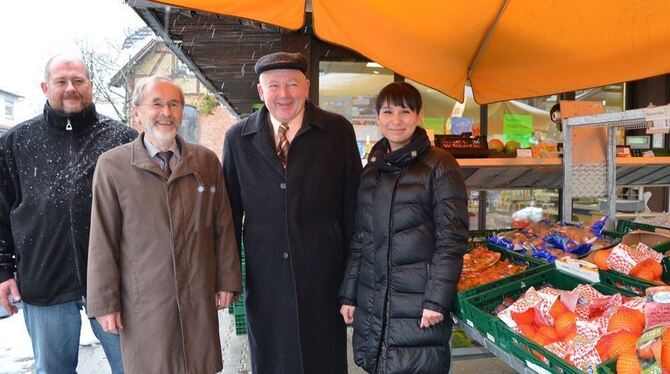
[54, 332]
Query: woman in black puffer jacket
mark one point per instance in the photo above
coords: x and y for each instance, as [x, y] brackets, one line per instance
[407, 252]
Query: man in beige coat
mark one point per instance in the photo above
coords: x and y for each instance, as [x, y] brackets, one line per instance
[163, 256]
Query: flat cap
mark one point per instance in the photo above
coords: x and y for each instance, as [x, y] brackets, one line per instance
[281, 60]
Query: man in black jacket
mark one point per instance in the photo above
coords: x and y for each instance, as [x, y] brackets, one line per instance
[292, 171]
[46, 171]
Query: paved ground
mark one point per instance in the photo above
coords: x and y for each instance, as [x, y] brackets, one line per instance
[237, 361]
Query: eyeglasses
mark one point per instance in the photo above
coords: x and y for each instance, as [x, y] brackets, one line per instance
[157, 105]
[62, 82]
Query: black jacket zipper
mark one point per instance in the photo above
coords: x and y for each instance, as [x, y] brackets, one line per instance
[381, 358]
[73, 186]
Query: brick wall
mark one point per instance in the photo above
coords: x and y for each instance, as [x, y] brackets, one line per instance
[212, 129]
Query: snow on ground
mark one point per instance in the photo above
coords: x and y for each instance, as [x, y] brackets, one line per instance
[16, 353]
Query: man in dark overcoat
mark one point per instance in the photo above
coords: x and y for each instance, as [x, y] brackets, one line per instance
[292, 174]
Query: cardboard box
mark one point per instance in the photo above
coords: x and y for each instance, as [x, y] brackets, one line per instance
[652, 239]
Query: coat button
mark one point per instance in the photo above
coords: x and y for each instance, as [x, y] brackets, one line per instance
[285, 255]
[282, 186]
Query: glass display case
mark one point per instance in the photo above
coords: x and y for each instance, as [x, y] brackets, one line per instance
[502, 204]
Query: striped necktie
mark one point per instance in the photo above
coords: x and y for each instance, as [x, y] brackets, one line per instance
[165, 156]
[283, 144]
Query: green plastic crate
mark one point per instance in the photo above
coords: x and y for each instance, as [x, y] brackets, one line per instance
[627, 282]
[534, 265]
[625, 226]
[523, 346]
[607, 367]
[480, 237]
[237, 309]
[240, 323]
[479, 307]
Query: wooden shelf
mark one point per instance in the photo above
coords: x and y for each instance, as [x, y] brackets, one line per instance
[515, 173]
[522, 173]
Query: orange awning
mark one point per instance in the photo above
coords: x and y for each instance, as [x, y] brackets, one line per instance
[507, 49]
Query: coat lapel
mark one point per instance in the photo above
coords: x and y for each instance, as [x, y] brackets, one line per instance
[140, 159]
[256, 127]
[188, 163]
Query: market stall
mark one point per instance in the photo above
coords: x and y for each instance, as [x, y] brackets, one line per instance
[492, 53]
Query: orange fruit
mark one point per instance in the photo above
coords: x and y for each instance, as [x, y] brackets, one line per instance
[655, 268]
[570, 336]
[549, 332]
[626, 319]
[647, 266]
[624, 342]
[540, 339]
[527, 330]
[637, 268]
[639, 316]
[665, 350]
[565, 323]
[628, 364]
[527, 317]
[603, 347]
[646, 274]
[557, 309]
[600, 259]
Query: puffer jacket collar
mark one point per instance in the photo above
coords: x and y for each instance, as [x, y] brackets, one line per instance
[80, 121]
[389, 162]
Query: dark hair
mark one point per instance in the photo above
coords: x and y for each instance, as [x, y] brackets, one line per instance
[555, 108]
[401, 94]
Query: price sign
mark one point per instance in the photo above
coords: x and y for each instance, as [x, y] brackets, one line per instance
[660, 118]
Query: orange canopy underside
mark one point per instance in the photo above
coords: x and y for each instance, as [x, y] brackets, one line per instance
[534, 48]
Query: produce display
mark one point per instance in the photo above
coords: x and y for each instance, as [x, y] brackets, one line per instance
[582, 326]
[481, 266]
[586, 328]
[639, 261]
[549, 241]
[540, 150]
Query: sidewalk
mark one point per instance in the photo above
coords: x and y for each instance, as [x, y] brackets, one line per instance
[16, 354]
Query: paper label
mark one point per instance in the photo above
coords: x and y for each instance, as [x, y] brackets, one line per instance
[460, 125]
[524, 153]
[434, 123]
[578, 268]
[537, 368]
[518, 127]
[660, 119]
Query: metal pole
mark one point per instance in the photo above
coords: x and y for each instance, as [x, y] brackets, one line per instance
[567, 173]
[481, 212]
[611, 176]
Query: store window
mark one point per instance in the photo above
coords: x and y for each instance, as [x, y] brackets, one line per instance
[9, 108]
[189, 125]
[612, 97]
[445, 115]
[525, 121]
[349, 89]
[502, 204]
[181, 68]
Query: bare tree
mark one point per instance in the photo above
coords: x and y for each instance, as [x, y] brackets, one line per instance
[103, 66]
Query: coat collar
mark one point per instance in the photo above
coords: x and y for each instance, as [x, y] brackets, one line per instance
[258, 126]
[140, 158]
[257, 121]
[80, 121]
